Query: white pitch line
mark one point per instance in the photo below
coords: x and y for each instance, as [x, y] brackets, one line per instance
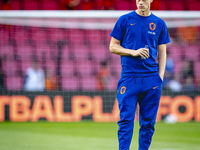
[167, 149]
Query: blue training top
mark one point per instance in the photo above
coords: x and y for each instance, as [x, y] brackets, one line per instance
[135, 32]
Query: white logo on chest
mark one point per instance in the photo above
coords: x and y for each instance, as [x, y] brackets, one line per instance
[149, 32]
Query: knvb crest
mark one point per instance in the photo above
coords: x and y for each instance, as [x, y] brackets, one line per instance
[123, 90]
[152, 26]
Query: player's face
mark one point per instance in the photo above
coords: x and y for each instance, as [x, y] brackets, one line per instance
[143, 5]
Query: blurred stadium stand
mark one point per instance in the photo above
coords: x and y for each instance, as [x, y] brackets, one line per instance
[99, 4]
[77, 61]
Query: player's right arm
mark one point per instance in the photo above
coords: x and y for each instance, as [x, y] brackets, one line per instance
[116, 48]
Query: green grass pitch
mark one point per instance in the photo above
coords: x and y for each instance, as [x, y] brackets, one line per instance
[87, 135]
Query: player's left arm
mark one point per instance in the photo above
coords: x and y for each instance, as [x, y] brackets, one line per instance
[162, 56]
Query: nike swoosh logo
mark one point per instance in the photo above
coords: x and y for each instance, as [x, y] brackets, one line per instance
[132, 24]
[155, 87]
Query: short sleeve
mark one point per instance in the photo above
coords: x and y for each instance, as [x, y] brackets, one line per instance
[119, 29]
[164, 35]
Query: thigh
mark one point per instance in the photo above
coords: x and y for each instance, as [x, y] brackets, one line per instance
[127, 91]
[149, 98]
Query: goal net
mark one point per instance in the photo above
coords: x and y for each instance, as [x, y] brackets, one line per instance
[78, 75]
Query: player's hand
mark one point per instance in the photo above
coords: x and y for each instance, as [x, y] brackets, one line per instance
[142, 52]
[162, 77]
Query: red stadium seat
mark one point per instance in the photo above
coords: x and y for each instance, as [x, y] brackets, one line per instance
[21, 36]
[44, 52]
[39, 36]
[70, 83]
[96, 66]
[4, 36]
[176, 5]
[84, 5]
[194, 5]
[25, 64]
[99, 52]
[163, 5]
[50, 5]
[159, 5]
[192, 52]
[15, 4]
[10, 67]
[178, 66]
[106, 35]
[31, 5]
[76, 36]
[115, 57]
[14, 83]
[133, 5]
[112, 83]
[25, 52]
[65, 53]
[51, 65]
[105, 4]
[123, 5]
[57, 35]
[115, 67]
[6, 50]
[84, 68]
[175, 51]
[94, 36]
[89, 83]
[67, 68]
[81, 52]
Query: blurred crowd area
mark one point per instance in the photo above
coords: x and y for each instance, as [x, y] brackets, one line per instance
[44, 58]
[38, 59]
[96, 5]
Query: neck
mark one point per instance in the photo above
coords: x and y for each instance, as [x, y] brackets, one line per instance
[143, 13]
